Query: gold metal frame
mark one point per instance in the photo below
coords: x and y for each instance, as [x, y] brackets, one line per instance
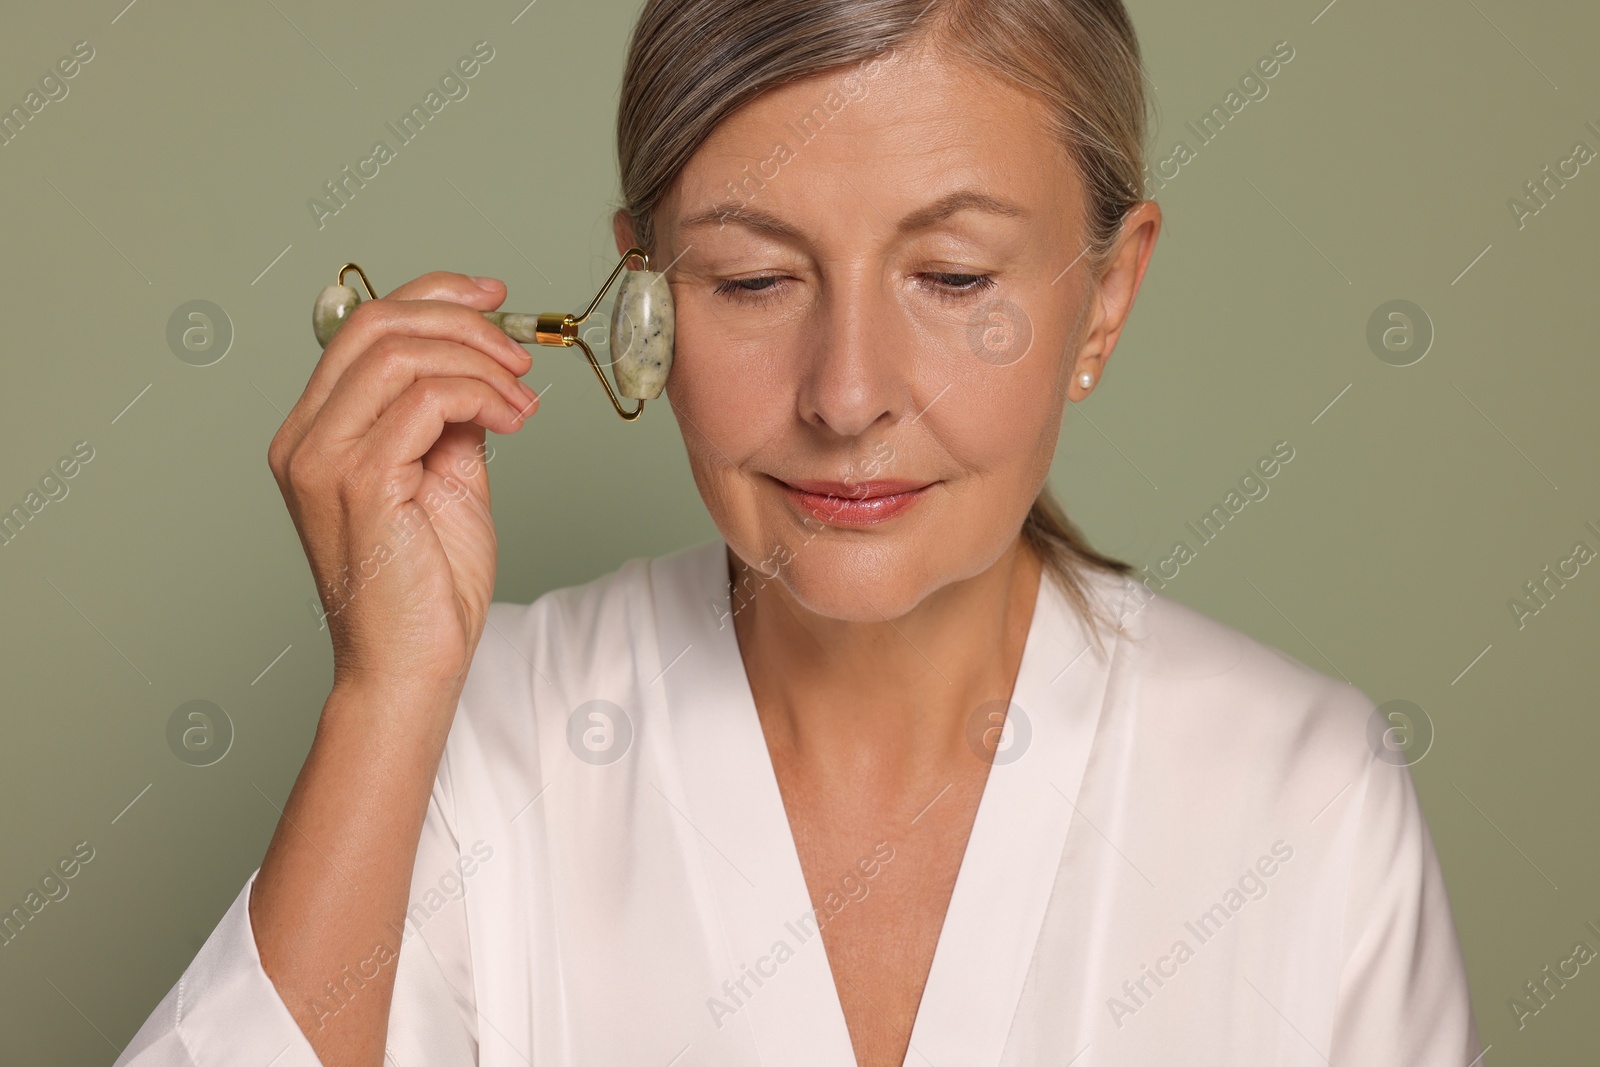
[558, 329]
[347, 268]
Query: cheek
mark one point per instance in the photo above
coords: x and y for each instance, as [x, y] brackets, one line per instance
[729, 410]
[1003, 422]
[725, 390]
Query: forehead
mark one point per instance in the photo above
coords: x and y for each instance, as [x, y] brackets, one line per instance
[880, 139]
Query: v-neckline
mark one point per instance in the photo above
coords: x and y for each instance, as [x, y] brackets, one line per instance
[752, 864]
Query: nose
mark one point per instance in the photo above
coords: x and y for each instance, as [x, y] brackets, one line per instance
[857, 356]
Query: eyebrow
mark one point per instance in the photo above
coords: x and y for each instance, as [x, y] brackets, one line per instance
[765, 222]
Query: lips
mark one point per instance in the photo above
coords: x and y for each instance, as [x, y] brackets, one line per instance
[857, 490]
[854, 504]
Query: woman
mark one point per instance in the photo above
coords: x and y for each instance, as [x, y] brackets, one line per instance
[897, 769]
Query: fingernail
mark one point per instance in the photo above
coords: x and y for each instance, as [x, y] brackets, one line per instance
[487, 284]
[526, 388]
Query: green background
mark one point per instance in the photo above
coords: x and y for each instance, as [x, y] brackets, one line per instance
[1378, 168]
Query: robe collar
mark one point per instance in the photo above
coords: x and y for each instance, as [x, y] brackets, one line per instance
[779, 982]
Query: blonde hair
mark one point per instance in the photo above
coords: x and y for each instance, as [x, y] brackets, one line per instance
[692, 63]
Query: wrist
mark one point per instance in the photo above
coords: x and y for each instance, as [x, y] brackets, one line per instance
[374, 697]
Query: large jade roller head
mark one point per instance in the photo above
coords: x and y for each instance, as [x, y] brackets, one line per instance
[641, 334]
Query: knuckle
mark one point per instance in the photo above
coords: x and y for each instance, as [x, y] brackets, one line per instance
[388, 349]
[277, 456]
[304, 468]
[308, 467]
[430, 392]
[284, 444]
[367, 314]
[389, 367]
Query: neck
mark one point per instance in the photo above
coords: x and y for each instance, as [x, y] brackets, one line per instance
[889, 698]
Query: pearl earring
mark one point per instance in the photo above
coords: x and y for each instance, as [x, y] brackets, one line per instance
[1086, 380]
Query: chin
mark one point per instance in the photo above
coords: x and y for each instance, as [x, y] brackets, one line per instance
[858, 585]
[854, 576]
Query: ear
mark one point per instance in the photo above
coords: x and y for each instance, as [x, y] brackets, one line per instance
[1115, 292]
[622, 229]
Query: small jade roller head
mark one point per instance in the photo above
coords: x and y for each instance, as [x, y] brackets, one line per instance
[641, 335]
[333, 306]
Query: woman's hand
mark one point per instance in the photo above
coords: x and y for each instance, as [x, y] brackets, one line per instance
[382, 466]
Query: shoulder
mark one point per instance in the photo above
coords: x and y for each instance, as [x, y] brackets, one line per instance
[1235, 742]
[1230, 696]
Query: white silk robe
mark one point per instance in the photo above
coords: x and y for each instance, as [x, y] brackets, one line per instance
[1185, 852]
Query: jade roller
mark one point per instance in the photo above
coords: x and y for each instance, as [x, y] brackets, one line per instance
[642, 327]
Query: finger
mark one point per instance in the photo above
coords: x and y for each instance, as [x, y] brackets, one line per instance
[485, 294]
[392, 365]
[457, 456]
[439, 320]
[411, 425]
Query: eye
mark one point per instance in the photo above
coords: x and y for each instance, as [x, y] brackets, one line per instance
[952, 284]
[750, 290]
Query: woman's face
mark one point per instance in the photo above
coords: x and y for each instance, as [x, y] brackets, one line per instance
[881, 312]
